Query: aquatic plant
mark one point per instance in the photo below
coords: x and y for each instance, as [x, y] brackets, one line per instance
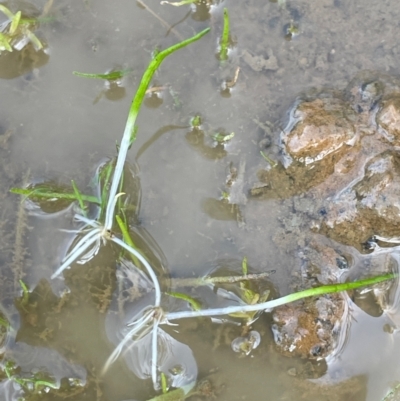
[223, 53]
[37, 381]
[16, 32]
[144, 330]
[110, 76]
[102, 233]
[146, 324]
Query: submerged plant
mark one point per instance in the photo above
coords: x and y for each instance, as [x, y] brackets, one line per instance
[96, 232]
[36, 382]
[99, 233]
[223, 53]
[143, 335]
[147, 323]
[110, 76]
[16, 32]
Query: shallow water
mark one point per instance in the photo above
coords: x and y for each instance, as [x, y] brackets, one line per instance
[62, 127]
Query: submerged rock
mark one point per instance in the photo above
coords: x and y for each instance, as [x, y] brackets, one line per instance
[370, 207]
[321, 129]
[388, 119]
[325, 135]
[311, 329]
[317, 129]
[340, 175]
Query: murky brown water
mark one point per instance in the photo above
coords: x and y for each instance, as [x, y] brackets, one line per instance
[56, 126]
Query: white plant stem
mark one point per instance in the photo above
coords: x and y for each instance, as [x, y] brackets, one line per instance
[311, 292]
[146, 264]
[228, 310]
[154, 352]
[83, 244]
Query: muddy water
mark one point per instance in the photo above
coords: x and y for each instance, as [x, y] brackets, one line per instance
[56, 126]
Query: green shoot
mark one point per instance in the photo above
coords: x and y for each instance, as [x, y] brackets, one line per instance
[27, 382]
[79, 197]
[127, 238]
[164, 384]
[193, 302]
[223, 53]
[271, 162]
[221, 137]
[38, 193]
[244, 266]
[250, 297]
[25, 293]
[15, 22]
[111, 76]
[34, 39]
[195, 122]
[5, 43]
[17, 29]
[311, 292]
[129, 135]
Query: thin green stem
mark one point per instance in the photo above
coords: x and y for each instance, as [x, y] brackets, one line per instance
[164, 384]
[127, 238]
[179, 295]
[25, 293]
[37, 193]
[79, 197]
[311, 292]
[111, 76]
[223, 53]
[244, 266]
[129, 133]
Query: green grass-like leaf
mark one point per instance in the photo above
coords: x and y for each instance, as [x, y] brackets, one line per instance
[129, 135]
[223, 53]
[196, 305]
[42, 193]
[111, 76]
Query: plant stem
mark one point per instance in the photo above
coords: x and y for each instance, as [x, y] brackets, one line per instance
[79, 197]
[311, 292]
[127, 238]
[49, 195]
[146, 264]
[154, 351]
[197, 282]
[193, 302]
[223, 53]
[111, 76]
[129, 134]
